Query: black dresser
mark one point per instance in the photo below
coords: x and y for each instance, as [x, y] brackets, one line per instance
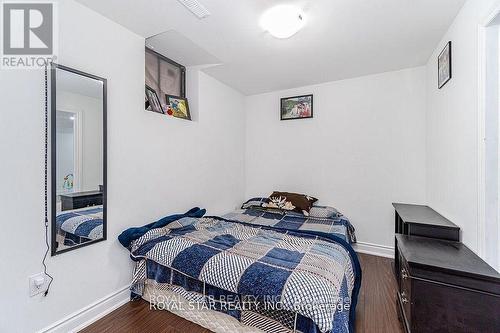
[442, 285]
[445, 287]
[81, 200]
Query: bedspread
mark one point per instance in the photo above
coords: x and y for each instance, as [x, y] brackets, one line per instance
[294, 277]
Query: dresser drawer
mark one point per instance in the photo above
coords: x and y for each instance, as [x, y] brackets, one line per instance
[404, 293]
[87, 201]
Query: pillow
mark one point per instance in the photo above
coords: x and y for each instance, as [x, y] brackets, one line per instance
[324, 212]
[296, 202]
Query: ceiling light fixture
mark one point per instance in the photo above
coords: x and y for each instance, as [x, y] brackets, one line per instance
[196, 8]
[283, 21]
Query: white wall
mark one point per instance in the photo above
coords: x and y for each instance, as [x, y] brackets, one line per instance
[157, 165]
[363, 150]
[452, 125]
[489, 248]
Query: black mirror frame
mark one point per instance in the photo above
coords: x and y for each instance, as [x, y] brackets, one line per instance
[53, 194]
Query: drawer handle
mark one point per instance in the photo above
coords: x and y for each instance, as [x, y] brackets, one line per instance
[404, 274]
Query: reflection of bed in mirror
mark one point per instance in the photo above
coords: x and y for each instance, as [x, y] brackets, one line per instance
[78, 226]
[79, 218]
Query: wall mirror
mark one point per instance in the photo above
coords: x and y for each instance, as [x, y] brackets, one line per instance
[78, 158]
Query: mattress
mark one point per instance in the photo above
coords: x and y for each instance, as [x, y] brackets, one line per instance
[179, 305]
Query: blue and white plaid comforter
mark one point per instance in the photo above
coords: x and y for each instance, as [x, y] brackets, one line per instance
[80, 225]
[298, 281]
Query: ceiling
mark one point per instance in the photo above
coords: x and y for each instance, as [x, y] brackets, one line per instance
[342, 38]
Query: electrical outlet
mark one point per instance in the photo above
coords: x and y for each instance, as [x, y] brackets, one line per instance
[37, 284]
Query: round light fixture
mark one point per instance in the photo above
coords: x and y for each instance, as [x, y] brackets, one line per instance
[283, 21]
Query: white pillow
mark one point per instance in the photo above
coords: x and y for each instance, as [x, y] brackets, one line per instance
[324, 212]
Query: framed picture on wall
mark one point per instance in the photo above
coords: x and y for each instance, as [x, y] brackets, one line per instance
[296, 107]
[444, 66]
[178, 107]
[152, 101]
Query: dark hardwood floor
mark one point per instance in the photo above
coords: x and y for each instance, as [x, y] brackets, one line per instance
[376, 310]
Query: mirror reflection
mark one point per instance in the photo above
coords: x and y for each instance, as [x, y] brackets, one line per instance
[79, 158]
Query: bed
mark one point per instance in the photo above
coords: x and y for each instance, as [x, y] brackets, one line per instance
[80, 225]
[251, 270]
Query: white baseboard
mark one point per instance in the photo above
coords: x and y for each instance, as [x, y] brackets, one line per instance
[374, 249]
[91, 313]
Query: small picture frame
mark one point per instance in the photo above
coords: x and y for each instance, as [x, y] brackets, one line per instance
[444, 66]
[179, 107]
[152, 102]
[296, 107]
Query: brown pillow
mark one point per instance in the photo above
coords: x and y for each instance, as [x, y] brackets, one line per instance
[296, 202]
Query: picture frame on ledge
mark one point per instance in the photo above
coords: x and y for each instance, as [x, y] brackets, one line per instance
[178, 107]
[296, 107]
[444, 66]
[152, 102]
